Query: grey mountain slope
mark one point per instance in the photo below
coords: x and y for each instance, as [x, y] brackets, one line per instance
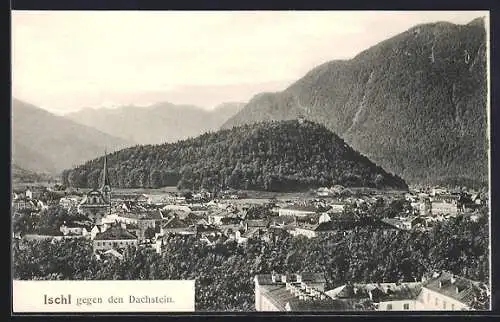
[44, 142]
[158, 123]
[414, 104]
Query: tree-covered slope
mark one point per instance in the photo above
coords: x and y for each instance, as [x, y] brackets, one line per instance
[19, 174]
[273, 156]
[416, 103]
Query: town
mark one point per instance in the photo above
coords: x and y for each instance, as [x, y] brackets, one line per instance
[116, 220]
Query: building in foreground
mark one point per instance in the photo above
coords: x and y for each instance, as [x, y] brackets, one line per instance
[297, 292]
[115, 237]
[443, 291]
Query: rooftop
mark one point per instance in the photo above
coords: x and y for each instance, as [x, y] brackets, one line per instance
[379, 291]
[327, 304]
[115, 233]
[458, 288]
[176, 222]
[296, 296]
[266, 279]
[142, 214]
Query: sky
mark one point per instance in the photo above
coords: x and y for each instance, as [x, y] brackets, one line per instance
[63, 61]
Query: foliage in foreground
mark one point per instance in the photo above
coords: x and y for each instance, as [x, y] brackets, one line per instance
[224, 272]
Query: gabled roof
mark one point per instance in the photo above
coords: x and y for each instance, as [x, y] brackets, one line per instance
[284, 299]
[115, 233]
[455, 287]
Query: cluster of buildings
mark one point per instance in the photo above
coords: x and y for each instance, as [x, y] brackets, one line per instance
[29, 199]
[442, 291]
[116, 220]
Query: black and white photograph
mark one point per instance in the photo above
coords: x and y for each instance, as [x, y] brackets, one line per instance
[303, 161]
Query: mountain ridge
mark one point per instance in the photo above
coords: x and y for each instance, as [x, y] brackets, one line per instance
[156, 123]
[414, 103]
[44, 142]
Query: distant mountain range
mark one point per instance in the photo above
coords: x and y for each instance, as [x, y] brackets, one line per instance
[416, 104]
[20, 175]
[45, 143]
[277, 156]
[158, 123]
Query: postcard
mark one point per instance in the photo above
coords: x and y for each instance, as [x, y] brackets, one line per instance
[246, 161]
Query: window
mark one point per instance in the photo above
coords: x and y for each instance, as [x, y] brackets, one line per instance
[436, 301]
[406, 306]
[453, 306]
[429, 297]
[389, 307]
[444, 305]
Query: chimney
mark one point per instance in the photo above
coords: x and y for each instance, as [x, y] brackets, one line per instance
[299, 278]
[440, 284]
[457, 290]
[283, 278]
[453, 279]
[322, 296]
[273, 277]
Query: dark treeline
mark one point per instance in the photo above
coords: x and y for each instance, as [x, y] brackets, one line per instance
[224, 271]
[277, 156]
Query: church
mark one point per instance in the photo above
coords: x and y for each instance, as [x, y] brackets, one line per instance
[97, 203]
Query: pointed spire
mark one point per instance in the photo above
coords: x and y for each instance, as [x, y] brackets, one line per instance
[105, 176]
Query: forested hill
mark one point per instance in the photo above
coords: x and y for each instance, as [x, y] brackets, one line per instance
[273, 156]
[416, 104]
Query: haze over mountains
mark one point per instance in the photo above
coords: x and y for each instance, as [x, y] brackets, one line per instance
[46, 143]
[158, 123]
[414, 104]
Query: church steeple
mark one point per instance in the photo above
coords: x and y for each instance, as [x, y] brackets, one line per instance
[106, 185]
